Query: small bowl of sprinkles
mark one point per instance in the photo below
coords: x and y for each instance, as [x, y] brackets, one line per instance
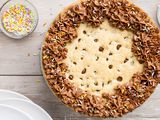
[19, 18]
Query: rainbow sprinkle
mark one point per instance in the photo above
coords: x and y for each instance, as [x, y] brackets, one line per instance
[18, 19]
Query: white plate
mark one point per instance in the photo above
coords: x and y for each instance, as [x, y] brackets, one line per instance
[35, 111]
[6, 94]
[11, 113]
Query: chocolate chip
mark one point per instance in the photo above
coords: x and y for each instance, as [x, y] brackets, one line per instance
[106, 59]
[119, 46]
[109, 81]
[110, 53]
[82, 84]
[74, 63]
[71, 77]
[76, 48]
[84, 71]
[84, 49]
[110, 66]
[101, 49]
[81, 58]
[125, 37]
[97, 58]
[84, 32]
[119, 78]
[96, 83]
[95, 40]
[79, 39]
[126, 60]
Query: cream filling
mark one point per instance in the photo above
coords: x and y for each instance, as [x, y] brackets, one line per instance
[100, 58]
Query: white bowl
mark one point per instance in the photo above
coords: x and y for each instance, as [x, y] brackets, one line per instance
[6, 94]
[11, 113]
[35, 111]
[10, 3]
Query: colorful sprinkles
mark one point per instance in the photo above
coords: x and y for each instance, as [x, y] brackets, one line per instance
[18, 19]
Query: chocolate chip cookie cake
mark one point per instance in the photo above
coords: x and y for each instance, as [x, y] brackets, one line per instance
[102, 57]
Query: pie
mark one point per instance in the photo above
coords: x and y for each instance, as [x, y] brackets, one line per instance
[102, 57]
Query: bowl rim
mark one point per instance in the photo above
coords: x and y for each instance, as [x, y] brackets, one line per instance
[23, 36]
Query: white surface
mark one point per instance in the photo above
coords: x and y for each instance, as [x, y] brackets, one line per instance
[36, 112]
[11, 113]
[6, 94]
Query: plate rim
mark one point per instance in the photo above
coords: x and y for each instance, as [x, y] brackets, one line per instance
[17, 110]
[15, 93]
[29, 102]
